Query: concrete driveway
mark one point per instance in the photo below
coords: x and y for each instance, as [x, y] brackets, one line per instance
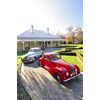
[40, 85]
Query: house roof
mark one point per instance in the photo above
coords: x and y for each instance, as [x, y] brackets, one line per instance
[36, 35]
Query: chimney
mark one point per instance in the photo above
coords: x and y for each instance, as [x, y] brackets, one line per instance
[47, 30]
[32, 29]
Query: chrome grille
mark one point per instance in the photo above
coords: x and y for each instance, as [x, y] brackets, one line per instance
[25, 57]
[73, 71]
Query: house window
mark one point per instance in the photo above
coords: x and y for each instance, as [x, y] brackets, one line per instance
[27, 46]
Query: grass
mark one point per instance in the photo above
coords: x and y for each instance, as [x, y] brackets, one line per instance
[72, 60]
[19, 54]
[78, 45]
[80, 51]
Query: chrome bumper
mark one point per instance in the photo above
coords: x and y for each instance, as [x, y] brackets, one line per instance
[72, 77]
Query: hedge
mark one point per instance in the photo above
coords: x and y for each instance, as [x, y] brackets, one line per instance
[67, 53]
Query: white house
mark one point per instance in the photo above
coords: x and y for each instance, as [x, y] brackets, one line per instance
[37, 38]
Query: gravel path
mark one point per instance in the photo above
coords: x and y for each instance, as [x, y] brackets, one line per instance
[40, 85]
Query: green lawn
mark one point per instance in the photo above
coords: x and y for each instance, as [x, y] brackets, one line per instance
[19, 54]
[72, 60]
[78, 45]
[78, 50]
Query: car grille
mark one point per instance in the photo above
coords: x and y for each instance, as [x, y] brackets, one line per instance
[73, 71]
[26, 57]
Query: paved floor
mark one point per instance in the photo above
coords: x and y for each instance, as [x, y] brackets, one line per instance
[40, 85]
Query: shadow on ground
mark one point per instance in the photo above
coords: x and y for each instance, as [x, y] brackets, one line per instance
[40, 85]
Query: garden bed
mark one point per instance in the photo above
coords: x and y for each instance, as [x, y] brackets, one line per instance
[67, 53]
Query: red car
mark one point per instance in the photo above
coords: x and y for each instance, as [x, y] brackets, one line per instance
[61, 70]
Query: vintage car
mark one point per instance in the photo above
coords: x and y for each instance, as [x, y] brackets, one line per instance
[59, 68]
[32, 55]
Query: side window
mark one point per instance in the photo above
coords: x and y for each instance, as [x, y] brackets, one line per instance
[46, 57]
[42, 55]
[39, 49]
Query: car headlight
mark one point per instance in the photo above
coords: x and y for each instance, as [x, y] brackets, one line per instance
[75, 69]
[71, 75]
[67, 74]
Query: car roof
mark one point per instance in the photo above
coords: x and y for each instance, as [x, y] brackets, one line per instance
[50, 53]
[35, 48]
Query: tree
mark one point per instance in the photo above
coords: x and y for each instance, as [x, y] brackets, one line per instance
[70, 35]
[79, 34]
[74, 35]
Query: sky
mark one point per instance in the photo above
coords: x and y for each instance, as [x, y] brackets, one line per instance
[55, 14]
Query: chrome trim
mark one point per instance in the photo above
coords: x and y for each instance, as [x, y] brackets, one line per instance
[72, 77]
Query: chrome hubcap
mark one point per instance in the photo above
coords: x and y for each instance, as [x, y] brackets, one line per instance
[58, 78]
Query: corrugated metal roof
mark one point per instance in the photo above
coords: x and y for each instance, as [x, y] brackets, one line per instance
[36, 34]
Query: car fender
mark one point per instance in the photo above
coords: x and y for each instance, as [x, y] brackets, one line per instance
[60, 73]
[40, 60]
[75, 66]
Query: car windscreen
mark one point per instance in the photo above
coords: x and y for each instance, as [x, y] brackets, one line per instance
[55, 57]
[34, 50]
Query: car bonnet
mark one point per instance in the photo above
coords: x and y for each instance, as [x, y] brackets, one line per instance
[29, 54]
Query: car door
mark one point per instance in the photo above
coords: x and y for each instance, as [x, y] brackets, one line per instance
[47, 63]
[37, 53]
[40, 52]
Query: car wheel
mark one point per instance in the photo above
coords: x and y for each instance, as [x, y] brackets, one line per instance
[34, 59]
[57, 77]
[40, 64]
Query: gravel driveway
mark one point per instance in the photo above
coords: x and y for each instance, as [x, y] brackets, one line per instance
[40, 85]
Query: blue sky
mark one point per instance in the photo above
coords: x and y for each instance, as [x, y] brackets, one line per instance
[65, 12]
[55, 14]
